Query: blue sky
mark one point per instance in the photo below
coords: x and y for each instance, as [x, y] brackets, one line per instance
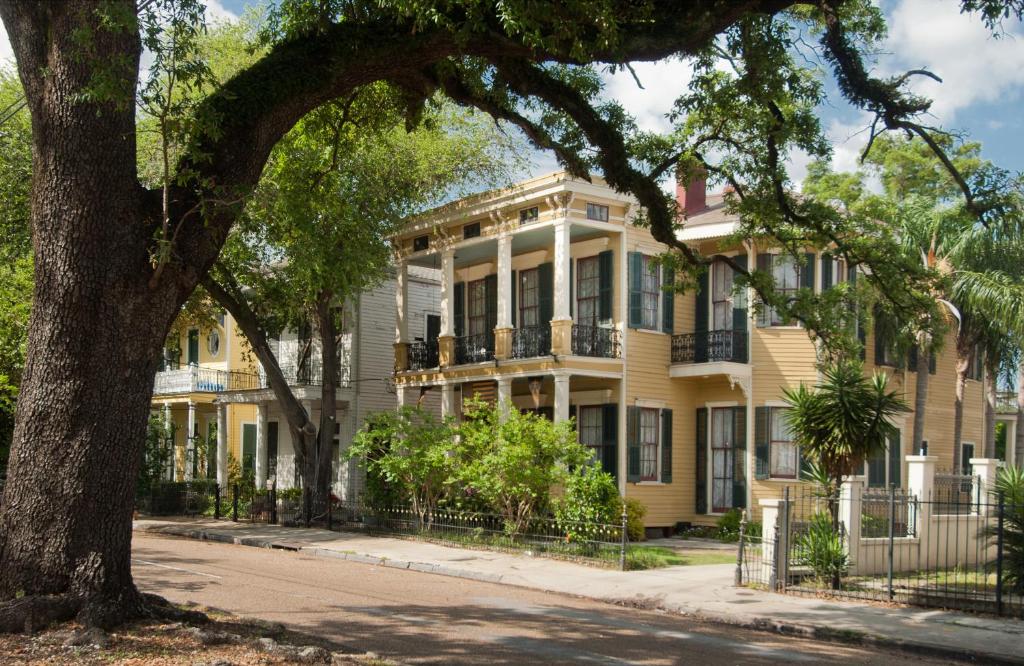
[981, 93]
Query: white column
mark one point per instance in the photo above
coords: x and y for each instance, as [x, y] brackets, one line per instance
[402, 302]
[448, 293]
[222, 447]
[562, 260]
[400, 395]
[504, 396]
[505, 285]
[561, 398]
[447, 400]
[986, 470]
[190, 441]
[261, 444]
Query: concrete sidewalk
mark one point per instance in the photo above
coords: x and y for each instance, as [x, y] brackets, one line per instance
[704, 592]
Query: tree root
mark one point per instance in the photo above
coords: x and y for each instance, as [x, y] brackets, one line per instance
[34, 613]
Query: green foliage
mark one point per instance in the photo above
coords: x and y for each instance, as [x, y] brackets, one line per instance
[156, 456]
[635, 513]
[821, 549]
[590, 499]
[1010, 484]
[844, 420]
[514, 462]
[411, 451]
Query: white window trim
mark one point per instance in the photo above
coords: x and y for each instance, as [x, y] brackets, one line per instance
[426, 316]
[659, 406]
[817, 290]
[773, 405]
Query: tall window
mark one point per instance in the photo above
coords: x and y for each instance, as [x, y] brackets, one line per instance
[477, 307]
[723, 468]
[784, 455]
[597, 212]
[787, 281]
[591, 429]
[588, 285]
[529, 298]
[651, 292]
[721, 291]
[648, 444]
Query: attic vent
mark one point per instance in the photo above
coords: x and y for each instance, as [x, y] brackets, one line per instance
[420, 243]
[471, 230]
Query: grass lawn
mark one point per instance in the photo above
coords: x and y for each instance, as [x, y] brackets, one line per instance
[654, 557]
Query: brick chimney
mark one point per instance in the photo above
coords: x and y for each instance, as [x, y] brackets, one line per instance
[693, 196]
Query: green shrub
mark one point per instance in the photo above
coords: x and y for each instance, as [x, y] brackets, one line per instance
[822, 550]
[590, 497]
[290, 494]
[635, 513]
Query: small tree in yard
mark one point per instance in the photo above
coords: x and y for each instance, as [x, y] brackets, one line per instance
[514, 459]
[1010, 486]
[411, 450]
[842, 422]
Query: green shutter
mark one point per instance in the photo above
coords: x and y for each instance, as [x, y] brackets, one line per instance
[193, 347]
[826, 271]
[700, 319]
[701, 467]
[248, 446]
[632, 444]
[913, 358]
[895, 461]
[610, 438]
[807, 271]
[762, 445]
[636, 281]
[606, 277]
[459, 311]
[491, 302]
[515, 290]
[666, 446]
[739, 457]
[668, 298]
[739, 318]
[545, 292]
[764, 265]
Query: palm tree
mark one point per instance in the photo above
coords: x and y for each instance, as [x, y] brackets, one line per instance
[842, 422]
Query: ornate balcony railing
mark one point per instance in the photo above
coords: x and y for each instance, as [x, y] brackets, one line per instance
[595, 341]
[531, 341]
[710, 347]
[474, 348]
[196, 379]
[1006, 402]
[423, 355]
[308, 373]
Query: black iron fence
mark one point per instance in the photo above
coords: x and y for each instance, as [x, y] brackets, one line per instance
[963, 552]
[474, 348]
[710, 347]
[181, 498]
[595, 341]
[423, 354]
[531, 341]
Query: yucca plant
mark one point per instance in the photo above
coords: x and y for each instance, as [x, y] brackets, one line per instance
[1010, 485]
[821, 549]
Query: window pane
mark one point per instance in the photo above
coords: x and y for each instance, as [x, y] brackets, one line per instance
[597, 212]
[477, 307]
[651, 292]
[649, 444]
[529, 298]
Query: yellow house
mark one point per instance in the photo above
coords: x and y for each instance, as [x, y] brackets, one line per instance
[552, 298]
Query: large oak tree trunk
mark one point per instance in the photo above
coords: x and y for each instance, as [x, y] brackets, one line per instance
[96, 327]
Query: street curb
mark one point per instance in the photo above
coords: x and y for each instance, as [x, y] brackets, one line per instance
[771, 625]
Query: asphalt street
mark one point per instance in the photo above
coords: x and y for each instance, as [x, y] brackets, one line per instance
[417, 617]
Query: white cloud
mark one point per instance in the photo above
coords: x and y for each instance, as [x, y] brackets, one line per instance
[975, 65]
[662, 83]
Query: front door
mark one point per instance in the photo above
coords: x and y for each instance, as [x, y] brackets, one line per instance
[722, 463]
[433, 327]
[272, 449]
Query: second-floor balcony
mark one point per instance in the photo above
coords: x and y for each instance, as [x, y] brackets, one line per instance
[596, 341]
[423, 355]
[474, 348]
[710, 347]
[531, 341]
[197, 379]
